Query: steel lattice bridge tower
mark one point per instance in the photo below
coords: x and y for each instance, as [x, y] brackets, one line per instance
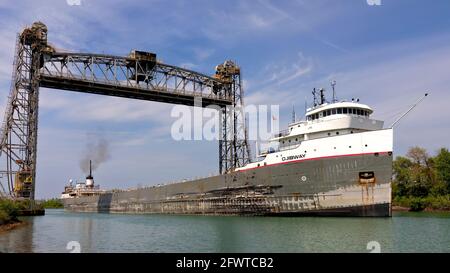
[137, 76]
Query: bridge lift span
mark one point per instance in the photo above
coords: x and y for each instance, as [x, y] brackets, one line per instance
[138, 76]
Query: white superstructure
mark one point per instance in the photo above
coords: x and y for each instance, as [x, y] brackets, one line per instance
[329, 130]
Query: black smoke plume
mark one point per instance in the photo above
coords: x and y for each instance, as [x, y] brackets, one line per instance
[97, 150]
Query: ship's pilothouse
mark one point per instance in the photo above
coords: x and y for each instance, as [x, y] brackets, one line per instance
[323, 121]
[329, 119]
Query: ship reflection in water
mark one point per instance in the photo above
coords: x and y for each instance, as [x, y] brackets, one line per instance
[404, 232]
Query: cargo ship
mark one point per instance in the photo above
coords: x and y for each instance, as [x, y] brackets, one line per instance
[335, 162]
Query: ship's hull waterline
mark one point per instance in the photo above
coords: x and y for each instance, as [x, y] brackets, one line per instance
[349, 185]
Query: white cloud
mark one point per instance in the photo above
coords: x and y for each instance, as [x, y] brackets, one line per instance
[284, 73]
[298, 72]
[78, 107]
[188, 65]
[274, 84]
[248, 19]
[394, 85]
[389, 78]
[202, 54]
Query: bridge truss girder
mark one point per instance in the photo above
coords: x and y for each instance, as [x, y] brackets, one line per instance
[137, 76]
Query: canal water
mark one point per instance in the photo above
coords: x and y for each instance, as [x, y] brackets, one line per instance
[60, 231]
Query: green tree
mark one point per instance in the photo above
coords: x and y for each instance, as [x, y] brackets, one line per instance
[421, 172]
[421, 181]
[401, 166]
[52, 204]
[442, 167]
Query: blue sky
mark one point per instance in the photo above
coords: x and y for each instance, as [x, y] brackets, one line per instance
[386, 55]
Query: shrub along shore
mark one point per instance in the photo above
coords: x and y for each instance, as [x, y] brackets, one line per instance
[53, 203]
[10, 210]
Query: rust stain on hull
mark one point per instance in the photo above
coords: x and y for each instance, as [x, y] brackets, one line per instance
[334, 187]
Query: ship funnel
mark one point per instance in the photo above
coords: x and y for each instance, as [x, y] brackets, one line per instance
[90, 178]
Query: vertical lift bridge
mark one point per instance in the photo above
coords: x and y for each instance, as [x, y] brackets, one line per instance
[137, 76]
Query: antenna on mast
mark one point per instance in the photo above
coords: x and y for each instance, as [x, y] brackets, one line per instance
[333, 84]
[322, 96]
[293, 113]
[314, 97]
[409, 110]
[258, 152]
[306, 106]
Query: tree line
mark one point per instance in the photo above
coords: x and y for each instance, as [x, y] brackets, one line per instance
[422, 181]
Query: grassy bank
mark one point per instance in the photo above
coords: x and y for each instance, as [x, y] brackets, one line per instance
[10, 210]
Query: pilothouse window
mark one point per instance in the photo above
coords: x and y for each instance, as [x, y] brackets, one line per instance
[334, 111]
